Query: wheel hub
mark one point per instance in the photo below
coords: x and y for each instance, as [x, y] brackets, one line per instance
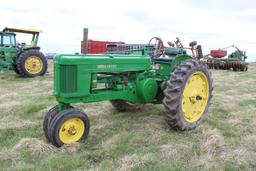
[195, 96]
[33, 64]
[198, 98]
[71, 130]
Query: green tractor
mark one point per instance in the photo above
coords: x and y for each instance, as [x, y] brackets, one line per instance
[26, 60]
[159, 75]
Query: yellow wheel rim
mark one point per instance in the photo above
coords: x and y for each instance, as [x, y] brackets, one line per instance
[71, 130]
[195, 96]
[33, 64]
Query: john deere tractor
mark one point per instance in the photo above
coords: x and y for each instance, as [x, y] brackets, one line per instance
[25, 59]
[166, 75]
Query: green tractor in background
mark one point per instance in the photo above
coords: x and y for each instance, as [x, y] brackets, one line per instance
[158, 75]
[25, 60]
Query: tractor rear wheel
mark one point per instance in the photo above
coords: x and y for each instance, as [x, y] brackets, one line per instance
[124, 106]
[187, 95]
[32, 63]
[69, 126]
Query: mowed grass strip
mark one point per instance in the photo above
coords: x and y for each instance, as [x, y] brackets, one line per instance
[138, 140]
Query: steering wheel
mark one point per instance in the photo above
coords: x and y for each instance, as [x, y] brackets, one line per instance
[159, 46]
[21, 45]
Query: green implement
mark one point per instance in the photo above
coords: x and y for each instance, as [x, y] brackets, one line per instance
[234, 61]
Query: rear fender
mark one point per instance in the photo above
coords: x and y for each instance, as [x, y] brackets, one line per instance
[178, 60]
[27, 48]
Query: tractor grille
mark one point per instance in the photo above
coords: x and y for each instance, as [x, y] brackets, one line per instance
[68, 78]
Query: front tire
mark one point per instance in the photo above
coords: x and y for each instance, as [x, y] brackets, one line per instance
[69, 126]
[48, 118]
[187, 95]
[32, 63]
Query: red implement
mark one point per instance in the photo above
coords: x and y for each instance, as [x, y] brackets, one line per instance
[218, 53]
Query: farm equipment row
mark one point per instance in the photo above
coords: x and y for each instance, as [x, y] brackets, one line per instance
[234, 61]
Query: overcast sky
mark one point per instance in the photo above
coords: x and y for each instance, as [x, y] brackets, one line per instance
[212, 23]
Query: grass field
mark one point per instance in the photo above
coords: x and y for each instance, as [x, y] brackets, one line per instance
[133, 140]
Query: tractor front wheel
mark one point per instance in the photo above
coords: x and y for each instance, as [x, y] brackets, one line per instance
[32, 63]
[47, 120]
[68, 126]
[48, 117]
[187, 95]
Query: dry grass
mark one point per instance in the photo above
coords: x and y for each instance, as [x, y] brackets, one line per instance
[130, 161]
[33, 145]
[138, 140]
[212, 141]
[12, 122]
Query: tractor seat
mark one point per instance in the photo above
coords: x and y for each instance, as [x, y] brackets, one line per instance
[162, 59]
[171, 52]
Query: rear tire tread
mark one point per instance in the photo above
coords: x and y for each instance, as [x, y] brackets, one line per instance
[21, 61]
[173, 94]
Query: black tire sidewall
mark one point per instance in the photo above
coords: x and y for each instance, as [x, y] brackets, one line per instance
[48, 117]
[61, 118]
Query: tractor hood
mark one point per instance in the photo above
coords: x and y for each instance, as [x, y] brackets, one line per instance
[104, 62]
